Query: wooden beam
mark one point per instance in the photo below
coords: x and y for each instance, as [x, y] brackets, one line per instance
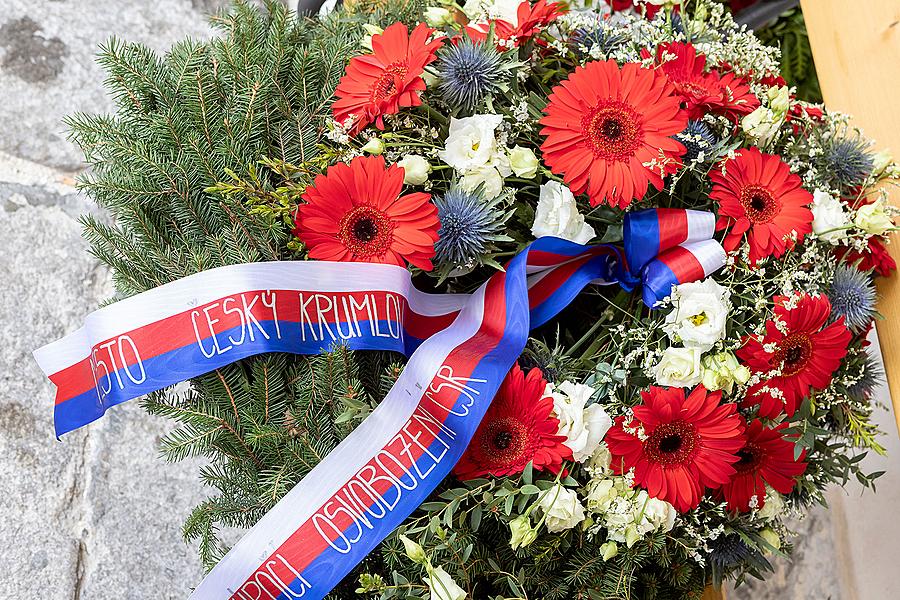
[712, 593]
[856, 46]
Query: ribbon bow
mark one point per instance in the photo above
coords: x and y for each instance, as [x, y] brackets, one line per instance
[666, 247]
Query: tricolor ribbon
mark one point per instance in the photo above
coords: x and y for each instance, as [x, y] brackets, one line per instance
[460, 348]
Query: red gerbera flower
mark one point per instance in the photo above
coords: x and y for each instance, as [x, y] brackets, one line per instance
[875, 257]
[355, 213]
[387, 80]
[609, 131]
[518, 428]
[758, 195]
[678, 446]
[703, 92]
[530, 20]
[800, 347]
[766, 458]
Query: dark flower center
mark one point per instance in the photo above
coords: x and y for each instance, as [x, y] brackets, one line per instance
[612, 130]
[386, 84]
[794, 353]
[504, 440]
[672, 444]
[366, 231]
[749, 458]
[759, 204]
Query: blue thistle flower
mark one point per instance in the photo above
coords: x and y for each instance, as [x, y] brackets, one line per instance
[469, 71]
[846, 161]
[468, 225]
[729, 550]
[872, 376]
[698, 138]
[852, 296]
[602, 38]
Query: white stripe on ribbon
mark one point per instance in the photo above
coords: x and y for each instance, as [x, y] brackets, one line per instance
[208, 286]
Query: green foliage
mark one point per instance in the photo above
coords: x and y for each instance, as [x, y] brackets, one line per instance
[797, 66]
[205, 112]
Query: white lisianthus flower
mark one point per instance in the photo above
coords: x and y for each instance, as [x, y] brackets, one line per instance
[584, 426]
[700, 314]
[779, 99]
[488, 178]
[442, 586]
[721, 371]
[679, 367]
[523, 162]
[484, 10]
[557, 215]
[773, 507]
[660, 514]
[415, 169]
[883, 164]
[561, 507]
[600, 495]
[762, 125]
[374, 147]
[521, 532]
[472, 143]
[437, 16]
[829, 217]
[872, 218]
[600, 461]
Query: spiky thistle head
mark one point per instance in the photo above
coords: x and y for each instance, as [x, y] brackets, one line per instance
[729, 550]
[846, 161]
[597, 42]
[699, 139]
[853, 297]
[870, 377]
[469, 224]
[469, 71]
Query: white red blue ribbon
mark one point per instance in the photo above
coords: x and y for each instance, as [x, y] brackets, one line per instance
[460, 348]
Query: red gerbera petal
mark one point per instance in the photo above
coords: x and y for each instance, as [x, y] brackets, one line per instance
[678, 446]
[518, 428]
[390, 78]
[766, 458]
[604, 125]
[355, 213]
[803, 350]
[875, 257]
[703, 92]
[758, 194]
[530, 20]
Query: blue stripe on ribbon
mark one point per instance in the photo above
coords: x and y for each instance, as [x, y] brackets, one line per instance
[640, 233]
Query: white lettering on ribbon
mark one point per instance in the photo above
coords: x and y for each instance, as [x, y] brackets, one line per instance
[254, 588]
[407, 461]
[103, 358]
[336, 317]
[237, 307]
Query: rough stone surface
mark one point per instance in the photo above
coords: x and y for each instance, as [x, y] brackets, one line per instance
[47, 62]
[96, 515]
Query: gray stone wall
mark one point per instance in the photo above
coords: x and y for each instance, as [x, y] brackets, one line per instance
[98, 514]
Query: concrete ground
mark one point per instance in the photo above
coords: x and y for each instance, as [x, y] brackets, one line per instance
[97, 515]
